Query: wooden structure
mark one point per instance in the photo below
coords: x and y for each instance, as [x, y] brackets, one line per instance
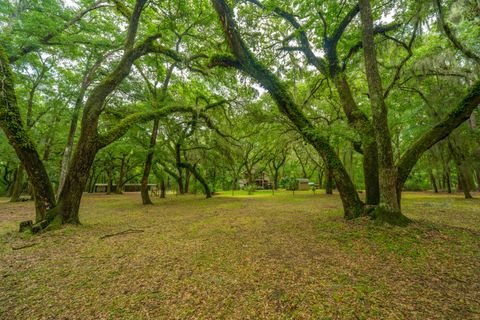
[303, 185]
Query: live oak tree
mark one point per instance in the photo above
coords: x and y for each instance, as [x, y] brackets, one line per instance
[391, 176]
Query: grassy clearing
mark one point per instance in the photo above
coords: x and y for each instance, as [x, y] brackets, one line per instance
[260, 256]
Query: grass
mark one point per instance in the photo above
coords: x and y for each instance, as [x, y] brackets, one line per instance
[244, 257]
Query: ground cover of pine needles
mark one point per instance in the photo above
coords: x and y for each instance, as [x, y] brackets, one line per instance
[244, 257]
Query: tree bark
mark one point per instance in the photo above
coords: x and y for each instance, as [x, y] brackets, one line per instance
[433, 181]
[387, 170]
[76, 179]
[121, 176]
[187, 181]
[359, 121]
[109, 179]
[275, 179]
[148, 164]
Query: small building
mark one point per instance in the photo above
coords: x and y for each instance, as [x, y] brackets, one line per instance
[260, 183]
[263, 183]
[302, 184]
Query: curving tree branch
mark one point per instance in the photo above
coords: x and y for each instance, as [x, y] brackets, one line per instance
[451, 36]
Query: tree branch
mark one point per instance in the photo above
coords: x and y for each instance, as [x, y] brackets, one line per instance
[439, 132]
[452, 37]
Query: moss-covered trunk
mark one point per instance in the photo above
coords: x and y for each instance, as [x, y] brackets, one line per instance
[389, 204]
[18, 137]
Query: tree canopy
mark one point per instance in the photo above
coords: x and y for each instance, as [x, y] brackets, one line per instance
[368, 97]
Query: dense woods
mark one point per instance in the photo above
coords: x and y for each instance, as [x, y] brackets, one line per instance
[369, 98]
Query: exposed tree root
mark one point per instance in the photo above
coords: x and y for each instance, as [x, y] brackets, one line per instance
[121, 233]
[25, 246]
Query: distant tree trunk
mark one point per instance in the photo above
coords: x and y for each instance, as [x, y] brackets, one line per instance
[463, 182]
[178, 160]
[214, 182]
[109, 180]
[441, 182]
[234, 183]
[180, 181]
[17, 185]
[198, 176]
[162, 188]
[121, 176]
[320, 178]
[462, 173]
[92, 179]
[448, 181]
[433, 181]
[187, 181]
[329, 182]
[148, 164]
[275, 179]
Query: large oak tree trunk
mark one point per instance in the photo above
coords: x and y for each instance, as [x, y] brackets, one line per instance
[76, 179]
[387, 171]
